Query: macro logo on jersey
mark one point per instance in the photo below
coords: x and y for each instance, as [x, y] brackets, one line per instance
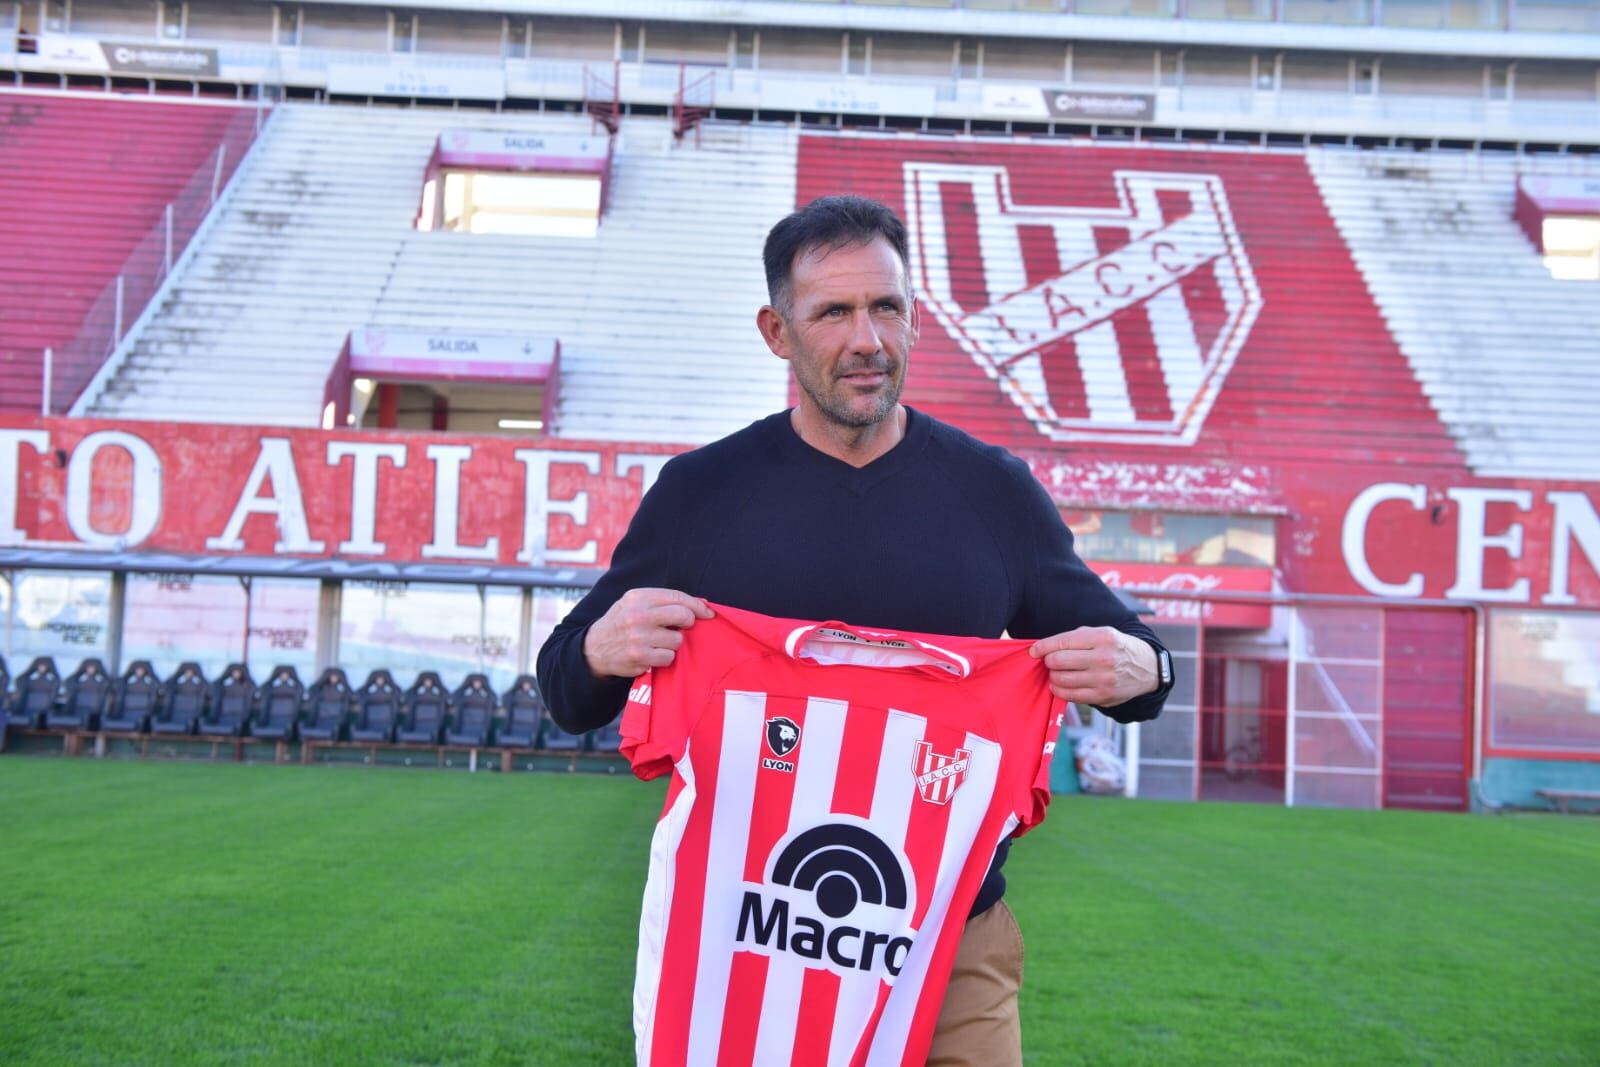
[836, 894]
[1108, 323]
[938, 777]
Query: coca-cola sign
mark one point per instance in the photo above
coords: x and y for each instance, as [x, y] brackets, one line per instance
[1149, 580]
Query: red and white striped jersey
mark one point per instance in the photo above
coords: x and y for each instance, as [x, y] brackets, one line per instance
[836, 797]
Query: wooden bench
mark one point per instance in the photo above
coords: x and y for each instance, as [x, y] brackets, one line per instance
[1561, 799]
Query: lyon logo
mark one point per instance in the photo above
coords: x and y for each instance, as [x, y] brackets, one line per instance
[1099, 323]
[782, 735]
[938, 777]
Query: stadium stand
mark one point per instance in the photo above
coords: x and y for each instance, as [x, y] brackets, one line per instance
[1463, 293]
[427, 705]
[232, 700]
[319, 239]
[183, 701]
[472, 711]
[524, 711]
[328, 705]
[34, 695]
[83, 183]
[278, 705]
[87, 694]
[378, 708]
[138, 698]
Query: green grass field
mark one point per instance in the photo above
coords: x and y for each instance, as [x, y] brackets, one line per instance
[173, 914]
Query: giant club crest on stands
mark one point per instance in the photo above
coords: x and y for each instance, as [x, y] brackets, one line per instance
[1110, 323]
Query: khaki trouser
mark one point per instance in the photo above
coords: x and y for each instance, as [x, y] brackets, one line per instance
[979, 1025]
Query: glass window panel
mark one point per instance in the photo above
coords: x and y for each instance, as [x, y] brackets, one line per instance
[283, 626]
[1337, 790]
[170, 618]
[1544, 680]
[1168, 736]
[1228, 9]
[550, 605]
[409, 627]
[1341, 12]
[1556, 16]
[64, 614]
[1340, 633]
[1154, 537]
[1338, 687]
[1166, 783]
[1335, 741]
[1024, 60]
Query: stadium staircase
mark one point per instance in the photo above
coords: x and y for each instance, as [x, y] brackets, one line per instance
[82, 181]
[319, 239]
[1507, 355]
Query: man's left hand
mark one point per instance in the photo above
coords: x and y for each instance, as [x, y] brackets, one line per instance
[1098, 665]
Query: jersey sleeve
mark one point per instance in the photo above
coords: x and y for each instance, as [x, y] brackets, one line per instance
[649, 742]
[1034, 797]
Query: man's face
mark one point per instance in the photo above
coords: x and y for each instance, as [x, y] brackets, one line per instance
[847, 332]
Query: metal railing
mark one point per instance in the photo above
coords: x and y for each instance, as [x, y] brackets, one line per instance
[74, 365]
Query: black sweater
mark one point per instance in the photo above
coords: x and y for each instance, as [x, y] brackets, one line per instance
[943, 535]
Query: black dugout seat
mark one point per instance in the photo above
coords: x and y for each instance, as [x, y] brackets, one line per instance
[233, 698]
[427, 705]
[608, 738]
[88, 692]
[138, 695]
[524, 709]
[327, 707]
[472, 708]
[278, 706]
[554, 737]
[35, 694]
[377, 708]
[183, 701]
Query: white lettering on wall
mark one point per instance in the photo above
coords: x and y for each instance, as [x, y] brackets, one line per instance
[1473, 541]
[1575, 520]
[364, 490]
[447, 461]
[286, 504]
[648, 462]
[145, 490]
[537, 507]
[1355, 537]
[11, 442]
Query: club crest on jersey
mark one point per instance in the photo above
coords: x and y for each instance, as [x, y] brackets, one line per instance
[783, 734]
[835, 894]
[938, 776]
[1104, 323]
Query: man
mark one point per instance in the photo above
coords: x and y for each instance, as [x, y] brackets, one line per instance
[852, 506]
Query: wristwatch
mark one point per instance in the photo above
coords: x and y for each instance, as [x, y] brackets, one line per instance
[1163, 665]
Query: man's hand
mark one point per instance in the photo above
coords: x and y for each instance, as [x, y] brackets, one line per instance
[1098, 665]
[641, 631]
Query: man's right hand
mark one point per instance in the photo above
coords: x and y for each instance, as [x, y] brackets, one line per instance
[642, 630]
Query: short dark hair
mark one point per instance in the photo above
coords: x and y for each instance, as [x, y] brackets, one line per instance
[828, 222]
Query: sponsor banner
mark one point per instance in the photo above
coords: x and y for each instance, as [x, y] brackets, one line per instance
[523, 151]
[401, 78]
[417, 505]
[1150, 580]
[129, 58]
[65, 51]
[1014, 101]
[793, 94]
[420, 355]
[1562, 195]
[1076, 104]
